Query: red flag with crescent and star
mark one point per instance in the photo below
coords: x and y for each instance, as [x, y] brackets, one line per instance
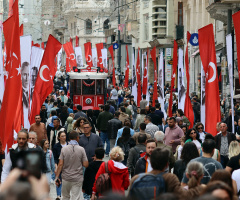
[209, 62]
[145, 76]
[99, 48]
[13, 88]
[236, 21]
[127, 69]
[155, 96]
[188, 109]
[70, 54]
[88, 54]
[139, 88]
[44, 83]
[174, 68]
[113, 67]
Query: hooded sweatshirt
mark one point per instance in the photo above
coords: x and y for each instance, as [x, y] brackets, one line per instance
[175, 134]
[118, 174]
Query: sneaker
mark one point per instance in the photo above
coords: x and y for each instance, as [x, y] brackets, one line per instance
[58, 198]
[107, 155]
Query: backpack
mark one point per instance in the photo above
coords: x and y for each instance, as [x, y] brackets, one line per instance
[147, 186]
[135, 159]
[103, 182]
[126, 148]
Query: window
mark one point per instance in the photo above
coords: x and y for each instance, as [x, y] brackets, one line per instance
[180, 13]
[88, 26]
[106, 24]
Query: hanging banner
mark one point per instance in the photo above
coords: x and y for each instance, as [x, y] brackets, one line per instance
[203, 85]
[99, 47]
[113, 66]
[59, 59]
[161, 97]
[68, 47]
[1, 72]
[143, 55]
[134, 78]
[94, 57]
[230, 73]
[26, 47]
[127, 69]
[36, 58]
[79, 58]
[181, 88]
[88, 54]
[145, 76]
[104, 59]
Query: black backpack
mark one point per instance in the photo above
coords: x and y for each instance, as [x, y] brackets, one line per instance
[135, 159]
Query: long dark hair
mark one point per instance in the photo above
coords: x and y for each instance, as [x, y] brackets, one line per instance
[189, 152]
[126, 134]
[189, 137]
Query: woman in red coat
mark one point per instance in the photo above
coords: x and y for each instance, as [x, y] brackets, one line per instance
[118, 172]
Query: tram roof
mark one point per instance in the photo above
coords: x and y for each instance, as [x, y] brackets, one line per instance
[87, 75]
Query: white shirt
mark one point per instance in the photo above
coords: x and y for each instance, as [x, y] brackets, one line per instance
[236, 177]
[202, 136]
[149, 165]
[197, 143]
[179, 152]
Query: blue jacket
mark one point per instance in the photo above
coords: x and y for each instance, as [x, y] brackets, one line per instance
[50, 161]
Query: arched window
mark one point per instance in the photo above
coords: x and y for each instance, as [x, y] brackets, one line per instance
[106, 24]
[88, 26]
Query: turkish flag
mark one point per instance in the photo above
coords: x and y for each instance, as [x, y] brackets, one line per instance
[67, 65]
[10, 11]
[236, 22]
[70, 54]
[139, 89]
[208, 57]
[155, 96]
[145, 77]
[127, 69]
[21, 30]
[77, 42]
[13, 88]
[44, 83]
[99, 47]
[188, 109]
[113, 70]
[174, 68]
[88, 54]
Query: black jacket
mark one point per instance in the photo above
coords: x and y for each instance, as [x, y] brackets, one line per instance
[156, 119]
[57, 151]
[89, 176]
[231, 137]
[140, 166]
[113, 126]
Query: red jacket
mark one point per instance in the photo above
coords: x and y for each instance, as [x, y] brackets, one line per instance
[118, 174]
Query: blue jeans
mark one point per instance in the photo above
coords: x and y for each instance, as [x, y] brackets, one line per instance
[104, 137]
[59, 189]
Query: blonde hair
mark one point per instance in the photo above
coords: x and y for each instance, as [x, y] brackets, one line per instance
[234, 149]
[117, 154]
[194, 171]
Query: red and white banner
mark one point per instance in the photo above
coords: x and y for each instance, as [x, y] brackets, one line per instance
[174, 69]
[99, 47]
[134, 78]
[208, 57]
[139, 86]
[77, 41]
[70, 54]
[47, 71]
[181, 87]
[26, 47]
[155, 94]
[59, 59]
[79, 57]
[94, 57]
[110, 49]
[104, 60]
[145, 76]
[36, 59]
[88, 54]
[236, 21]
[127, 69]
[1, 72]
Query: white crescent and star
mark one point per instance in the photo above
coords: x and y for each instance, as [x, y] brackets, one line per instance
[101, 59]
[72, 54]
[211, 64]
[89, 56]
[41, 72]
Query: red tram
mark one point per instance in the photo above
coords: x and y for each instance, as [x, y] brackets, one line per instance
[88, 89]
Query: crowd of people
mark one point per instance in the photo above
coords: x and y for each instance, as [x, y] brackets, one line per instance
[148, 156]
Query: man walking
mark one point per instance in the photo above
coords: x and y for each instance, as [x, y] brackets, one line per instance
[71, 162]
[90, 141]
[150, 128]
[79, 113]
[143, 102]
[102, 122]
[54, 132]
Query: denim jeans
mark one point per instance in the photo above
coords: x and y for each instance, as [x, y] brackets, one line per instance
[59, 189]
[104, 137]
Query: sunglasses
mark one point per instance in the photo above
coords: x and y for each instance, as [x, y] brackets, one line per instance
[192, 133]
[200, 128]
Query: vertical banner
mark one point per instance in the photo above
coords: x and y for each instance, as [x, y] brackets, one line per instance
[127, 69]
[36, 58]
[143, 55]
[134, 78]
[161, 97]
[59, 59]
[139, 86]
[77, 41]
[209, 62]
[79, 57]
[1, 71]
[181, 88]
[155, 94]
[99, 47]
[145, 76]
[104, 59]
[230, 73]
[203, 86]
[236, 22]
[26, 47]
[70, 54]
[113, 65]
[94, 57]
[88, 54]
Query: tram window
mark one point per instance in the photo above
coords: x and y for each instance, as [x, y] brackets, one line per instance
[78, 87]
[100, 86]
[88, 87]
